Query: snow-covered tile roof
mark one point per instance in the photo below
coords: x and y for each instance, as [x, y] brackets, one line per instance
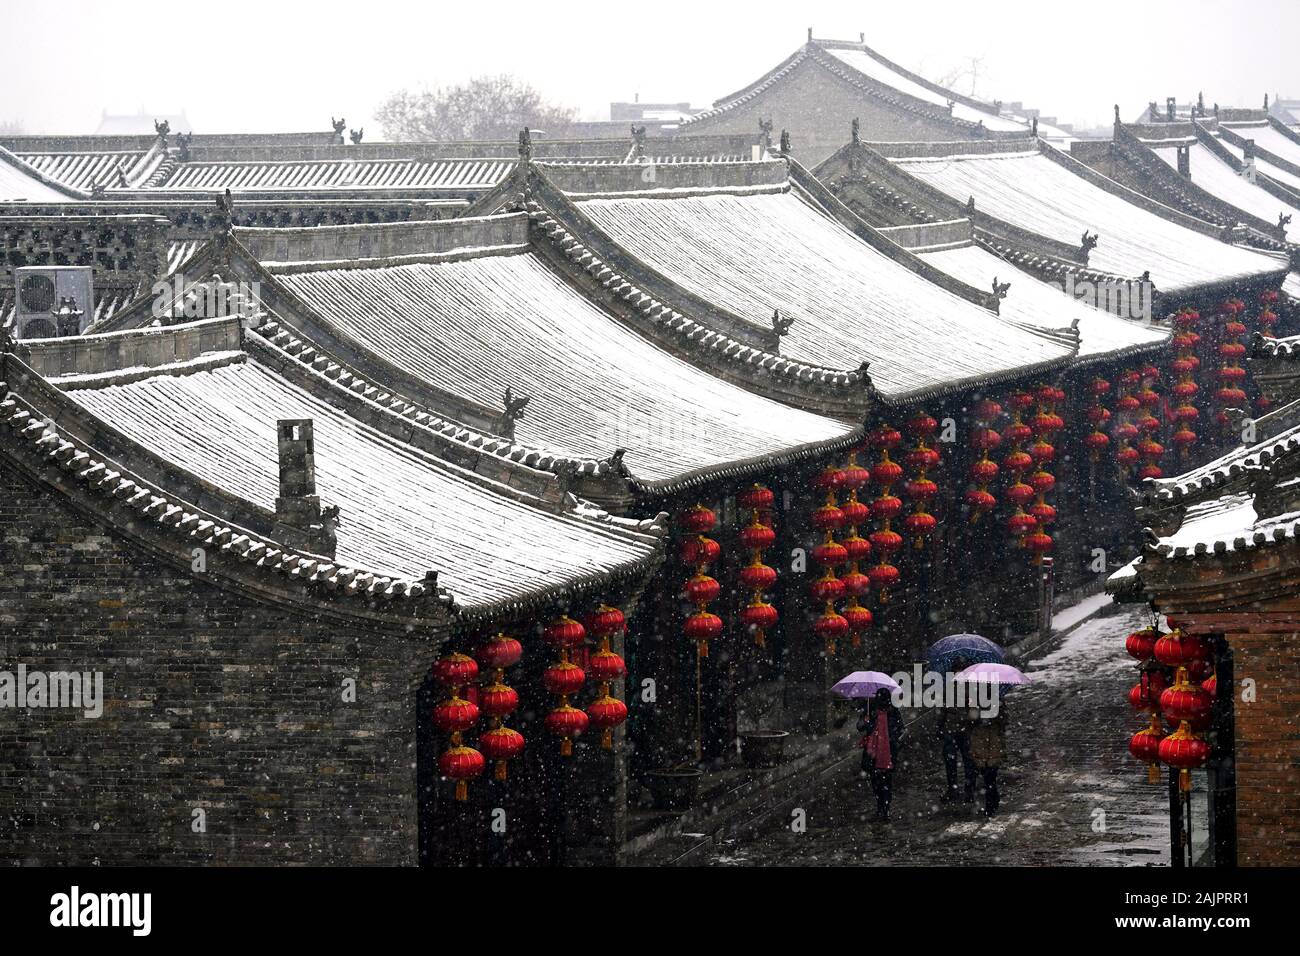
[82, 170]
[20, 183]
[339, 174]
[755, 253]
[1230, 465]
[402, 512]
[1262, 163]
[476, 326]
[1038, 193]
[1273, 140]
[869, 63]
[1219, 179]
[1037, 303]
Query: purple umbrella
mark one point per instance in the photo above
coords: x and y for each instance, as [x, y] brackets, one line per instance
[1003, 674]
[862, 684]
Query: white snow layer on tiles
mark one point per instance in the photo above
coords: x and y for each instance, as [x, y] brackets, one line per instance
[478, 326]
[401, 512]
[1279, 144]
[753, 254]
[1223, 519]
[1219, 179]
[865, 63]
[18, 185]
[1035, 192]
[1291, 285]
[1034, 302]
[1288, 179]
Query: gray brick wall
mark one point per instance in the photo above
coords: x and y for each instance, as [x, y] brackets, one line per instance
[213, 701]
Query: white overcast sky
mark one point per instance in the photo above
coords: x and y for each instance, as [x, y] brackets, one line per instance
[270, 65]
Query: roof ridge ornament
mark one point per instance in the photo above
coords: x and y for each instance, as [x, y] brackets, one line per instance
[781, 323]
[339, 126]
[504, 426]
[225, 213]
[163, 127]
[526, 145]
[1000, 288]
[765, 131]
[855, 131]
[1087, 244]
[356, 134]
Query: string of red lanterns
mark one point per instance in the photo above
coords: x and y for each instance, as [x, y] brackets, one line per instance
[1231, 374]
[920, 489]
[453, 716]
[563, 679]
[1149, 424]
[701, 589]
[1017, 463]
[606, 712]
[857, 585]
[885, 541]
[1096, 441]
[1126, 432]
[498, 701]
[757, 537]
[830, 626]
[984, 471]
[1186, 705]
[1184, 366]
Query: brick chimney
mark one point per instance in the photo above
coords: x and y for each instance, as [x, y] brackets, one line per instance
[299, 518]
[1171, 108]
[1185, 161]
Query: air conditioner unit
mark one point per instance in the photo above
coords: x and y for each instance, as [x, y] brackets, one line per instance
[53, 301]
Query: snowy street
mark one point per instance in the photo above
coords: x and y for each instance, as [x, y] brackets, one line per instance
[1070, 792]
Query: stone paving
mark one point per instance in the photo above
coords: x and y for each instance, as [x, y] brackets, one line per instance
[1070, 792]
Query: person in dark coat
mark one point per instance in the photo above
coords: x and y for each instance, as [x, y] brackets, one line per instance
[881, 727]
[988, 748]
[953, 729]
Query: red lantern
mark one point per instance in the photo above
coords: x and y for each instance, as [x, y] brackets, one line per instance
[1145, 694]
[831, 627]
[455, 670]
[702, 589]
[498, 700]
[1184, 751]
[1177, 649]
[883, 577]
[1145, 746]
[920, 525]
[1038, 543]
[757, 577]
[499, 652]
[455, 715]
[501, 744]
[566, 722]
[757, 537]
[699, 519]
[702, 627]
[700, 551]
[859, 618]
[1141, 644]
[564, 633]
[1186, 701]
[563, 678]
[759, 617]
[462, 764]
[605, 713]
[605, 621]
[605, 666]
[757, 497]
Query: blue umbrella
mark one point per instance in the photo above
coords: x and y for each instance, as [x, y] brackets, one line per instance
[971, 648]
